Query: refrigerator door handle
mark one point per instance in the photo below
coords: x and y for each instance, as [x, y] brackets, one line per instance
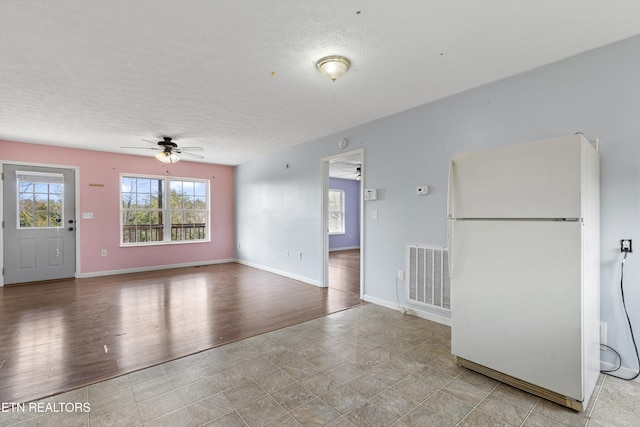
[450, 237]
[450, 204]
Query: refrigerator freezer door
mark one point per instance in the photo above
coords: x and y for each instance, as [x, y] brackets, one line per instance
[540, 179]
[516, 300]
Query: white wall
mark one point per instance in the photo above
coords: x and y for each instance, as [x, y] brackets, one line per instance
[597, 93]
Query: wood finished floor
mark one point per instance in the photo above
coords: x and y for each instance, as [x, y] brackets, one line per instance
[344, 271]
[59, 336]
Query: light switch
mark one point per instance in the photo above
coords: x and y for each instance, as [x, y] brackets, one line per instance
[374, 215]
[87, 215]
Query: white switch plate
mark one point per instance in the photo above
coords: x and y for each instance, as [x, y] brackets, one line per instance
[87, 215]
[374, 215]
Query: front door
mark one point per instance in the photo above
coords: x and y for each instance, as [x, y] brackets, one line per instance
[39, 223]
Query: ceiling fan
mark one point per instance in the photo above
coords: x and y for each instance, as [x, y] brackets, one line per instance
[169, 150]
[357, 173]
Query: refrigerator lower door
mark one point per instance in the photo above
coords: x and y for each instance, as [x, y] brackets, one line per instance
[516, 300]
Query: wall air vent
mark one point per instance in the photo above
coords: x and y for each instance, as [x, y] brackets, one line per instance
[428, 276]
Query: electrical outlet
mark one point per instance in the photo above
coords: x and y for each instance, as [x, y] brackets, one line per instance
[400, 274]
[103, 252]
[625, 245]
[603, 333]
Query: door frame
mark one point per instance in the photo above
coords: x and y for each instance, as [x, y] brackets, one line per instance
[76, 192]
[325, 215]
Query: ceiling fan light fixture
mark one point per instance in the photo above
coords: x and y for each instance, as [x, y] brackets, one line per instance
[333, 66]
[167, 157]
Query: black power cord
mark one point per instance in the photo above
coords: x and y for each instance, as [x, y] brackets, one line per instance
[633, 338]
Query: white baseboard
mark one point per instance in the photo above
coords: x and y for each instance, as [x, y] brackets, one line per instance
[423, 314]
[153, 268]
[623, 372]
[281, 273]
[348, 248]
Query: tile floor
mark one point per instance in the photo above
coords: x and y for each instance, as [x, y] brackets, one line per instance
[366, 366]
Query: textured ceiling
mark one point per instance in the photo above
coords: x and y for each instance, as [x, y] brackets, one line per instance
[238, 79]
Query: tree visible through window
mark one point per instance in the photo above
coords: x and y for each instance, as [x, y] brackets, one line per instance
[40, 199]
[163, 210]
[336, 211]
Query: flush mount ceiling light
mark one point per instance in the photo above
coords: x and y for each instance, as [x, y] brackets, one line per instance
[333, 66]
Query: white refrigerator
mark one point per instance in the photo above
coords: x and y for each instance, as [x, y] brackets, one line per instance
[523, 225]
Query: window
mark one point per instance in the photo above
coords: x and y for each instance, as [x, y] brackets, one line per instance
[40, 199]
[156, 210]
[336, 211]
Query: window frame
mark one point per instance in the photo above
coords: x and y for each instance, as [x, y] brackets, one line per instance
[343, 229]
[54, 178]
[166, 210]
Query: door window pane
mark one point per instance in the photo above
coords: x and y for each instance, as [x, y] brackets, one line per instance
[40, 199]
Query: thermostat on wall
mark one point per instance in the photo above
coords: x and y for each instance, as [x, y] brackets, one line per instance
[370, 194]
[422, 190]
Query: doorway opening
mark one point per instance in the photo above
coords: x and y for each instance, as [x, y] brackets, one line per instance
[343, 222]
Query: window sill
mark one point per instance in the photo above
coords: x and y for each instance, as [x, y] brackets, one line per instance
[178, 242]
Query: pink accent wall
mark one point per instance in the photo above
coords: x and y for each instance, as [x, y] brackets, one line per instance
[103, 231]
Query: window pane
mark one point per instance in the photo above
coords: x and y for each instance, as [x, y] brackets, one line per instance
[176, 186]
[200, 189]
[188, 225]
[55, 189]
[188, 187]
[128, 199]
[23, 187]
[143, 185]
[41, 187]
[200, 202]
[144, 201]
[39, 200]
[177, 200]
[336, 211]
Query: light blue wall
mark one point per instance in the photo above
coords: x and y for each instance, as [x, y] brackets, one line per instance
[597, 93]
[351, 237]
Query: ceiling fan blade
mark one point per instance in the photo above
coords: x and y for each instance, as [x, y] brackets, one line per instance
[191, 148]
[197, 156]
[145, 148]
